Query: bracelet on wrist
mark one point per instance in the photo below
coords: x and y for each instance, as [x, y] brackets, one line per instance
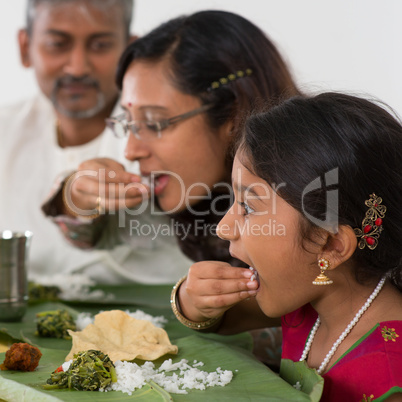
[67, 200]
[188, 323]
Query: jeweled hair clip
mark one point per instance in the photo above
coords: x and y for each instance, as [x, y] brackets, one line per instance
[372, 223]
[230, 78]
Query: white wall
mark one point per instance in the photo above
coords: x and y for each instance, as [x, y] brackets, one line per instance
[348, 45]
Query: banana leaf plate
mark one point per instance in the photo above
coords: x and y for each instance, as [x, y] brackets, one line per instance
[252, 380]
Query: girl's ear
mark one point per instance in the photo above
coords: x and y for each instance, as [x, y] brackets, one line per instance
[340, 246]
[23, 41]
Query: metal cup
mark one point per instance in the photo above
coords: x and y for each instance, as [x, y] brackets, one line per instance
[14, 250]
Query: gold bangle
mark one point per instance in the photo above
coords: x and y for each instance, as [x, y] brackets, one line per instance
[188, 323]
[71, 211]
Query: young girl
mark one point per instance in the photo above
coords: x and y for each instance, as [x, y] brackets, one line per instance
[318, 216]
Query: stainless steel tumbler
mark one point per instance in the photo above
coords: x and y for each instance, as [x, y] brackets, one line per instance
[14, 250]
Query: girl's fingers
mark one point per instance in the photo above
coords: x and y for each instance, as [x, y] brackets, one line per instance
[213, 287]
[217, 270]
[211, 297]
[215, 305]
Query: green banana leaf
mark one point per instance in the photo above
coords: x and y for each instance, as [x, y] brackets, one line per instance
[252, 380]
[298, 372]
[25, 329]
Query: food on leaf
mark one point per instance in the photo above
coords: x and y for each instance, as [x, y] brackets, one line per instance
[22, 357]
[54, 324]
[90, 370]
[38, 292]
[122, 337]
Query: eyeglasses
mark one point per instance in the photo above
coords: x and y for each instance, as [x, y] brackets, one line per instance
[148, 129]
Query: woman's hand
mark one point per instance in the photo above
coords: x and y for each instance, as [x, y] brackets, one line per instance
[104, 184]
[212, 287]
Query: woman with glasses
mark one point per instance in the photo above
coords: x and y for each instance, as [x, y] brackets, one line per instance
[186, 88]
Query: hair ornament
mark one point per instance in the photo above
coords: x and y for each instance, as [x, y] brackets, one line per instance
[230, 78]
[372, 223]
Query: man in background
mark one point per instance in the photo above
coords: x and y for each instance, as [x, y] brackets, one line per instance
[74, 47]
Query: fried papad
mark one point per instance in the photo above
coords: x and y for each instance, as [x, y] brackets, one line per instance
[122, 337]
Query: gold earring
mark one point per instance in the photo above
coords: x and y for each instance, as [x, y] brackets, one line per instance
[322, 279]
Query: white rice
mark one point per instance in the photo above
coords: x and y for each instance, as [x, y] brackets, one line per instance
[131, 376]
[297, 386]
[84, 319]
[66, 365]
[255, 276]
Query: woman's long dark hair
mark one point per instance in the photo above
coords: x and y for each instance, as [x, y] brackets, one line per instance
[306, 138]
[203, 48]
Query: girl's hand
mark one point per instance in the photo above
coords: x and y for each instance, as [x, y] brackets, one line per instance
[212, 287]
[108, 180]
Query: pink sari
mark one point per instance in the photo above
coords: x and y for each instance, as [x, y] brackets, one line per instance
[371, 370]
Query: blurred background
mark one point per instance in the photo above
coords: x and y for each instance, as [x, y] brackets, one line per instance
[343, 45]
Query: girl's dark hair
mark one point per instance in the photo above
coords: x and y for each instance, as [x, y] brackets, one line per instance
[198, 50]
[356, 141]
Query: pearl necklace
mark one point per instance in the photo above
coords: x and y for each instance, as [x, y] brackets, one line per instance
[344, 334]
